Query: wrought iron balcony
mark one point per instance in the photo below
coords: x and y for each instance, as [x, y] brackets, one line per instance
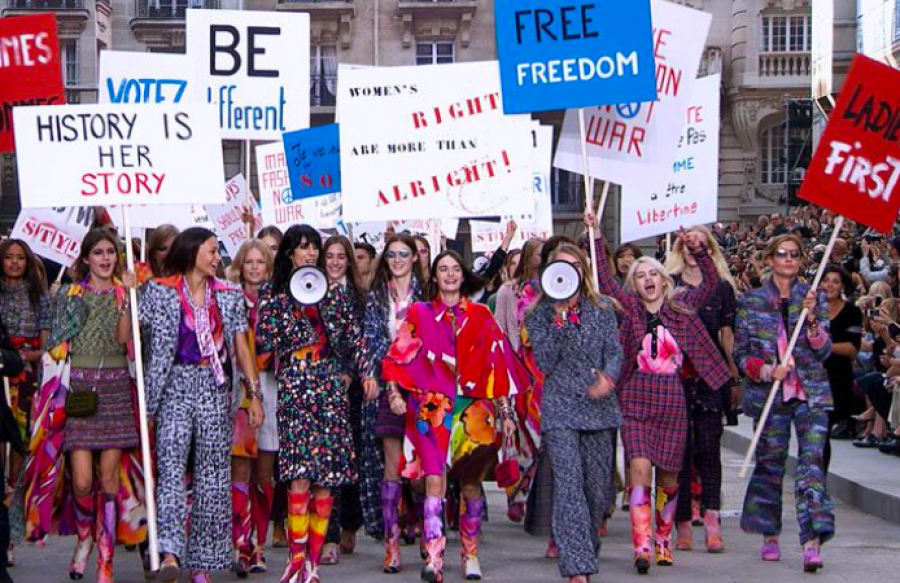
[170, 8]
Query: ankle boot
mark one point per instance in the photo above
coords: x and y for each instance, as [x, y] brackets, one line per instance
[641, 527]
[318, 532]
[107, 523]
[261, 511]
[84, 523]
[240, 527]
[469, 529]
[712, 527]
[298, 537]
[435, 541]
[666, 502]
[390, 501]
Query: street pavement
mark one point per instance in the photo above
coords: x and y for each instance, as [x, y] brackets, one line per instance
[865, 549]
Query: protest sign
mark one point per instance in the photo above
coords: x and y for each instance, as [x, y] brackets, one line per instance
[182, 216]
[583, 52]
[856, 168]
[622, 140]
[432, 229]
[118, 154]
[54, 233]
[227, 219]
[654, 204]
[314, 161]
[29, 68]
[277, 203]
[133, 77]
[253, 66]
[430, 142]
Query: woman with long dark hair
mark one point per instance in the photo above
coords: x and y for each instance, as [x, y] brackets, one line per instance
[396, 286]
[312, 345]
[196, 325]
[456, 371]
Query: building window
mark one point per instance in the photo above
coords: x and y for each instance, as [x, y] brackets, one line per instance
[786, 34]
[323, 65]
[434, 53]
[68, 50]
[772, 155]
[565, 190]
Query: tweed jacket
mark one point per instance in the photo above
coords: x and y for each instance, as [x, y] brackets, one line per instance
[759, 325]
[160, 313]
[376, 338]
[687, 328]
[567, 353]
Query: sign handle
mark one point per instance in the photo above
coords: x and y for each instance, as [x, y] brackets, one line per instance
[143, 245]
[147, 461]
[761, 424]
[248, 146]
[589, 194]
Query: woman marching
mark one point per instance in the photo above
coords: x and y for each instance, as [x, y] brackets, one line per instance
[705, 406]
[95, 420]
[580, 413]
[456, 371]
[197, 330]
[253, 452]
[766, 319]
[312, 345]
[664, 341]
[396, 286]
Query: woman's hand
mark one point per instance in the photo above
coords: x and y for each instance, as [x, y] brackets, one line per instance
[257, 415]
[780, 372]
[590, 219]
[398, 404]
[692, 240]
[370, 388]
[601, 387]
[509, 428]
[809, 304]
[129, 279]
[347, 380]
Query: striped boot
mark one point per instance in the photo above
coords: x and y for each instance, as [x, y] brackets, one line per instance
[666, 501]
[241, 524]
[318, 532]
[298, 536]
[641, 526]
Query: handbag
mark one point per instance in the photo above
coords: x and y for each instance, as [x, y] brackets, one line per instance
[82, 404]
[507, 471]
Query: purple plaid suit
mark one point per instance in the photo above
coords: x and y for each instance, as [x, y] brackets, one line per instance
[653, 405]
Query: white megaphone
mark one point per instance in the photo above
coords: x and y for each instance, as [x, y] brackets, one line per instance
[560, 280]
[309, 285]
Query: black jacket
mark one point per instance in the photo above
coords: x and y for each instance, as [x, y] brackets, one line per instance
[12, 365]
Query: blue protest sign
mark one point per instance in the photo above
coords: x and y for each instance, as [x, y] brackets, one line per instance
[574, 53]
[313, 161]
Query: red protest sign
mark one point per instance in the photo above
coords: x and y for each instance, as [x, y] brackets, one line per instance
[856, 168]
[30, 71]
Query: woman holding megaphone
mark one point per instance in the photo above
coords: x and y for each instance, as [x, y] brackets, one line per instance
[312, 344]
[665, 342]
[580, 412]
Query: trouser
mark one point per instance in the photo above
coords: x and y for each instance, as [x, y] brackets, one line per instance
[582, 465]
[762, 505]
[200, 411]
[703, 450]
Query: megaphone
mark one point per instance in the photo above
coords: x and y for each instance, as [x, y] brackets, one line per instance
[560, 280]
[309, 285]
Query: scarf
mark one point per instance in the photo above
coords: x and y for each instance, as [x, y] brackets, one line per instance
[203, 329]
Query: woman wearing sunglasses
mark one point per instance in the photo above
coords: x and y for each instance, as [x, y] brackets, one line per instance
[396, 286]
[766, 318]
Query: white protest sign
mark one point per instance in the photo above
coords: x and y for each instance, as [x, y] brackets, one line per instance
[430, 142]
[133, 77]
[277, 204]
[100, 155]
[253, 66]
[431, 229]
[182, 216]
[687, 195]
[227, 218]
[54, 233]
[622, 140]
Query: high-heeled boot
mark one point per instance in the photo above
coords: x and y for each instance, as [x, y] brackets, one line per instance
[390, 502]
[298, 537]
[107, 522]
[713, 527]
[435, 541]
[469, 529]
[261, 510]
[318, 532]
[641, 526]
[84, 525]
[240, 527]
[666, 502]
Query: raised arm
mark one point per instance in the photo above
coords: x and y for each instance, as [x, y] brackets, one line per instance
[606, 281]
[697, 297]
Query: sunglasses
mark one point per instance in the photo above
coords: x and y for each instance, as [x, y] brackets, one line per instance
[784, 254]
[402, 254]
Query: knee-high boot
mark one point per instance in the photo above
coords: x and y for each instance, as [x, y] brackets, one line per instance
[469, 530]
[318, 531]
[435, 541]
[298, 537]
[390, 502]
[641, 525]
[261, 510]
[666, 502]
[240, 527]
[107, 523]
[84, 524]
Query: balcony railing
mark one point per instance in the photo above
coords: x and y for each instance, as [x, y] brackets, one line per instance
[319, 94]
[315, 1]
[44, 4]
[784, 65]
[171, 8]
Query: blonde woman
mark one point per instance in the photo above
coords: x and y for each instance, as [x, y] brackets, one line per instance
[253, 451]
[664, 340]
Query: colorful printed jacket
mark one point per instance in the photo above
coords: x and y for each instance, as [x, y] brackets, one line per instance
[376, 337]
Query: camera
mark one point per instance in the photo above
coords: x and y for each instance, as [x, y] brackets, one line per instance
[874, 312]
